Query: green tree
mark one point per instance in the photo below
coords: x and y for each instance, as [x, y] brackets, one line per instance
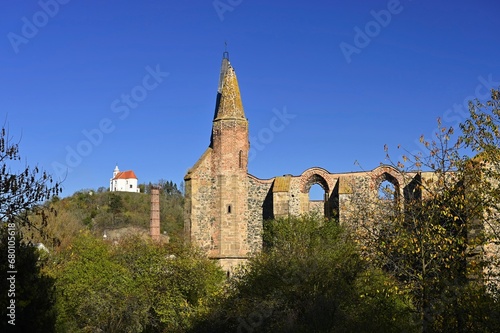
[115, 205]
[95, 293]
[310, 278]
[481, 134]
[32, 290]
[135, 285]
[481, 131]
[177, 281]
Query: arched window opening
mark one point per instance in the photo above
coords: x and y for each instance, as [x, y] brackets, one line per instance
[316, 193]
[387, 191]
[317, 202]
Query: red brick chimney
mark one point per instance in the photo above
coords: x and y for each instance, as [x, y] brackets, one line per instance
[154, 226]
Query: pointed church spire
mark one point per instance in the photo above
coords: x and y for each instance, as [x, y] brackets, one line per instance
[116, 171]
[223, 69]
[229, 104]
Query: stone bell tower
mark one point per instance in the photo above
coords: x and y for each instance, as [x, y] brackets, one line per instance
[217, 185]
[230, 159]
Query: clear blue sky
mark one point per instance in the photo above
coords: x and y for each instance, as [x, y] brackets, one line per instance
[350, 75]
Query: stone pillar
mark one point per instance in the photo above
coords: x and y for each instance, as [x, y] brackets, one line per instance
[345, 196]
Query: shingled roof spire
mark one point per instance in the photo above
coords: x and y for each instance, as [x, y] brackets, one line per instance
[223, 70]
[229, 103]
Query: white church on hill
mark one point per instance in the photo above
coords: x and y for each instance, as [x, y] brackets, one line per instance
[123, 181]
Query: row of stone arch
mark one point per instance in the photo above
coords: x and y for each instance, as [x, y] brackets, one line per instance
[327, 180]
[402, 188]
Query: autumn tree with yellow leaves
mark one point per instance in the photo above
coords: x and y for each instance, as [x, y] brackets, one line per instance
[439, 235]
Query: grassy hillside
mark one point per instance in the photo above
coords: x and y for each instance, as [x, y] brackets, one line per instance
[99, 210]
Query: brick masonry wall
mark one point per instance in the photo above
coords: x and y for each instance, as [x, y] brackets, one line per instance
[229, 170]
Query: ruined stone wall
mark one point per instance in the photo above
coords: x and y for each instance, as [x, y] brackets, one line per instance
[281, 202]
[259, 207]
[352, 191]
[296, 198]
[492, 249]
[492, 232]
[199, 204]
[355, 196]
[317, 207]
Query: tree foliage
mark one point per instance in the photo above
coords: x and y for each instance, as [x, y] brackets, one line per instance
[133, 286]
[21, 191]
[34, 290]
[310, 279]
[436, 236]
[94, 292]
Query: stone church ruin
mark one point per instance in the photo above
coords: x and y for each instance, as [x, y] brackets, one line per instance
[226, 206]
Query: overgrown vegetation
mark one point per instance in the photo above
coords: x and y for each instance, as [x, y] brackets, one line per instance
[437, 236]
[135, 286]
[312, 279]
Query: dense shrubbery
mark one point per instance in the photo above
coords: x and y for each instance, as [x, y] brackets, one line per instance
[311, 279]
[133, 286]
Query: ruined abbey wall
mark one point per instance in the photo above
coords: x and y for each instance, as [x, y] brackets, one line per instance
[226, 206]
[288, 195]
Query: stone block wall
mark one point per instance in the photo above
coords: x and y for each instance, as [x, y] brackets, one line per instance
[259, 203]
[199, 204]
[317, 207]
[281, 204]
[230, 232]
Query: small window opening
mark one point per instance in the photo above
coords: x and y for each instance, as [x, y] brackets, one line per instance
[229, 209]
[240, 156]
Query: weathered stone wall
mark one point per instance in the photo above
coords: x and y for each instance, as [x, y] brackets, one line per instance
[296, 199]
[317, 207]
[352, 189]
[259, 202]
[231, 214]
[281, 203]
[199, 204]
[492, 247]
